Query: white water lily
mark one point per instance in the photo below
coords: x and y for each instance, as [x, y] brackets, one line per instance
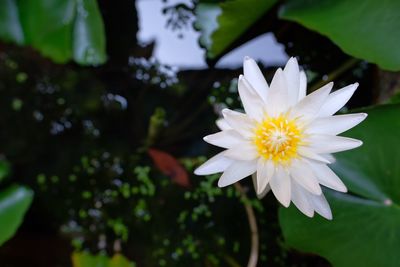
[285, 138]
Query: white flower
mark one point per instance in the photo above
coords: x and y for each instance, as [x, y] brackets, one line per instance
[285, 138]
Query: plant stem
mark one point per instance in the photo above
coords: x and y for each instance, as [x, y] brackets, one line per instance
[231, 261]
[335, 73]
[254, 250]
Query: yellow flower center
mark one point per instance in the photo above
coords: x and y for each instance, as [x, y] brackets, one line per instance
[277, 139]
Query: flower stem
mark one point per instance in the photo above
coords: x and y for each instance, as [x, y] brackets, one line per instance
[254, 250]
[348, 64]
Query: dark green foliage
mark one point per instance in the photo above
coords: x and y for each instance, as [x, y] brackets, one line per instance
[79, 136]
[61, 30]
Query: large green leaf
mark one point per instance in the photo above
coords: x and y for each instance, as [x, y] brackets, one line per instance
[365, 230]
[49, 32]
[10, 26]
[14, 202]
[83, 259]
[89, 41]
[366, 29]
[222, 24]
[61, 30]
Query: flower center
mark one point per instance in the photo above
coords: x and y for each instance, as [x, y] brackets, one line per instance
[277, 139]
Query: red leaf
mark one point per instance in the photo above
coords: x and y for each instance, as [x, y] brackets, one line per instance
[168, 165]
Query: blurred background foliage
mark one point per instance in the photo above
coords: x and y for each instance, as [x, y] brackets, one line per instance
[99, 139]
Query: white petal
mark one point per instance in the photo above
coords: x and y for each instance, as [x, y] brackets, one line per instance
[239, 122]
[304, 176]
[310, 154]
[329, 158]
[321, 206]
[292, 76]
[303, 85]
[300, 199]
[225, 139]
[252, 102]
[216, 164]
[265, 170]
[237, 171]
[320, 143]
[335, 124]
[246, 150]
[266, 189]
[277, 94]
[255, 77]
[327, 177]
[222, 124]
[337, 100]
[309, 106]
[280, 186]
[265, 192]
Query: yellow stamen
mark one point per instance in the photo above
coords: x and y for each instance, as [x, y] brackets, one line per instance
[278, 138]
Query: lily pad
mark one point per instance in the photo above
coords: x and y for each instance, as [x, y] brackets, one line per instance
[14, 203]
[365, 227]
[365, 29]
[61, 30]
[223, 23]
[10, 26]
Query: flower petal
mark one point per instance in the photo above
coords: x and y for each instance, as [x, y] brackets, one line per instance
[225, 139]
[265, 192]
[277, 94]
[335, 124]
[337, 100]
[266, 189]
[327, 177]
[292, 75]
[280, 186]
[237, 171]
[301, 172]
[255, 77]
[265, 170]
[303, 85]
[222, 124]
[309, 106]
[252, 102]
[246, 150]
[321, 206]
[239, 122]
[321, 143]
[218, 163]
[300, 199]
[310, 154]
[329, 158]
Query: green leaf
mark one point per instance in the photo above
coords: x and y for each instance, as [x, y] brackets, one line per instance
[14, 202]
[222, 24]
[4, 169]
[48, 31]
[89, 39]
[61, 30]
[395, 98]
[120, 261]
[373, 170]
[206, 22]
[10, 26]
[365, 227]
[84, 259]
[366, 29]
